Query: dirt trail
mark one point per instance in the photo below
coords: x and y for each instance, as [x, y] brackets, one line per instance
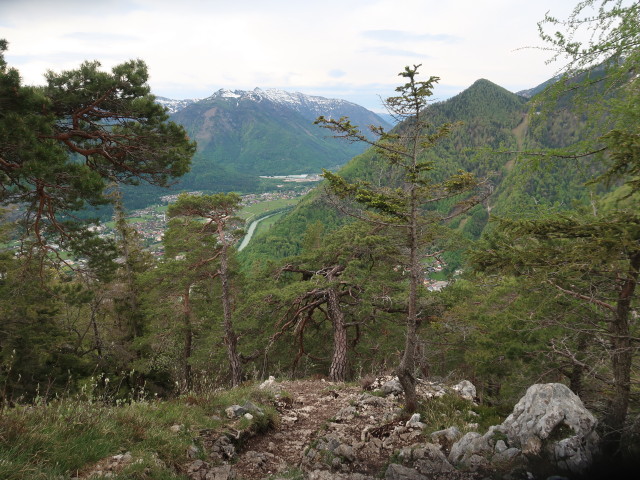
[307, 409]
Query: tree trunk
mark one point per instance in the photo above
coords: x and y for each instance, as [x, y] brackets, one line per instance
[621, 357]
[188, 338]
[230, 338]
[407, 365]
[339, 360]
[577, 370]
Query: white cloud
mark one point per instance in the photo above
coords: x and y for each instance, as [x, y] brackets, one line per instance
[346, 49]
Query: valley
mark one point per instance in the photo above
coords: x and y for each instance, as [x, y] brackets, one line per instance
[150, 223]
[283, 285]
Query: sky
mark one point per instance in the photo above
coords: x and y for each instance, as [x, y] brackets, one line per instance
[349, 49]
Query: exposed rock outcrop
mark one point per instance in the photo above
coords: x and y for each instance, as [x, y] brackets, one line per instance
[549, 424]
[551, 421]
[335, 431]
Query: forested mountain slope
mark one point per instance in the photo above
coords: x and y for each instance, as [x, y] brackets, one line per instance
[489, 114]
[244, 134]
[495, 127]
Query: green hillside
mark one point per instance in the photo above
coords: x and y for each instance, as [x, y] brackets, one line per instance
[490, 116]
[495, 126]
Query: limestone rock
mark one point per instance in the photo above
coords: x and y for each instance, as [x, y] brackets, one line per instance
[345, 451]
[400, 472]
[270, 384]
[199, 470]
[259, 459]
[235, 411]
[465, 389]
[414, 421]
[222, 448]
[425, 458]
[252, 408]
[427, 389]
[549, 424]
[325, 475]
[346, 413]
[468, 446]
[446, 438]
[551, 421]
[193, 451]
[367, 399]
[393, 386]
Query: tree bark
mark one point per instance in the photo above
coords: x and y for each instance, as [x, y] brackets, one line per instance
[230, 337]
[621, 357]
[188, 338]
[407, 365]
[577, 370]
[339, 359]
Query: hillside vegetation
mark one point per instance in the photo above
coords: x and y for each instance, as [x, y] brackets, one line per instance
[490, 237]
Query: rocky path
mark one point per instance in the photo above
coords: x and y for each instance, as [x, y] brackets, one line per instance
[338, 431]
[305, 411]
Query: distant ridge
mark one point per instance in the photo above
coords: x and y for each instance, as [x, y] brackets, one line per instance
[174, 106]
[243, 134]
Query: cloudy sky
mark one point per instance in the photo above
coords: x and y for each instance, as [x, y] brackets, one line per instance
[351, 49]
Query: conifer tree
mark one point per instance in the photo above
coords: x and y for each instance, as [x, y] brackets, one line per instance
[62, 144]
[593, 257]
[218, 212]
[339, 280]
[407, 211]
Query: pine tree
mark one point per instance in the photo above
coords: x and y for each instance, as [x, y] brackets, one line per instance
[218, 212]
[62, 144]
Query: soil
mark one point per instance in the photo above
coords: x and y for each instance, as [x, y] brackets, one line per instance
[305, 413]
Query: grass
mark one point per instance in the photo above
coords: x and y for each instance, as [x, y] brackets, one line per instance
[67, 437]
[266, 224]
[451, 410]
[266, 206]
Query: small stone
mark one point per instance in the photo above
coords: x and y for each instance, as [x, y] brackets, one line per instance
[248, 416]
[345, 451]
[446, 438]
[465, 389]
[392, 387]
[269, 384]
[235, 411]
[193, 451]
[176, 428]
[345, 414]
[414, 421]
[400, 472]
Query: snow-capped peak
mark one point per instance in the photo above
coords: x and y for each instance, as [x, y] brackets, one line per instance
[174, 106]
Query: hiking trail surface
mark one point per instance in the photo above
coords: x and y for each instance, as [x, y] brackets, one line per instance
[335, 431]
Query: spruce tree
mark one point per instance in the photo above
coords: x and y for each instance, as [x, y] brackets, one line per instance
[407, 212]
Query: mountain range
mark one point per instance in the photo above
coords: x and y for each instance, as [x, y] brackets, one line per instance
[265, 132]
[495, 125]
[243, 135]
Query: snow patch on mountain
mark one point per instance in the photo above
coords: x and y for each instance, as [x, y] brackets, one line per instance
[174, 106]
[309, 106]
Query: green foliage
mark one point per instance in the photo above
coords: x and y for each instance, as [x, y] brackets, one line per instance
[450, 410]
[70, 435]
[408, 213]
[61, 145]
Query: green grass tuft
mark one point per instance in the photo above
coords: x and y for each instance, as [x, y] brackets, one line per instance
[69, 436]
